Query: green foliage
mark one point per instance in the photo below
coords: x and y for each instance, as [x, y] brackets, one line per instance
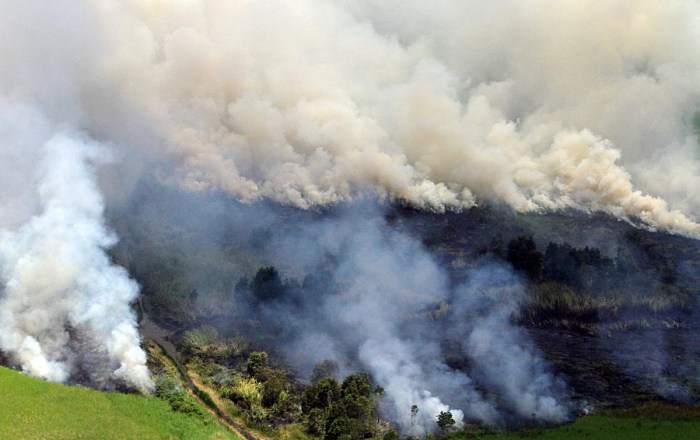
[618, 426]
[321, 395]
[346, 411]
[248, 393]
[31, 409]
[391, 435]
[445, 421]
[327, 368]
[342, 428]
[275, 388]
[357, 385]
[554, 304]
[257, 364]
[177, 397]
[315, 422]
[206, 398]
[205, 343]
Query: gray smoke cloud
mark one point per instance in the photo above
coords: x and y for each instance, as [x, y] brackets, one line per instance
[367, 304]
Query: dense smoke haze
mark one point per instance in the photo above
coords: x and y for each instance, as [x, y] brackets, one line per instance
[365, 305]
[538, 106]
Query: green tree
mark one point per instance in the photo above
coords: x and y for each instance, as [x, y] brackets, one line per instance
[358, 384]
[275, 386]
[445, 421]
[321, 394]
[267, 284]
[391, 435]
[523, 255]
[414, 415]
[327, 368]
[315, 422]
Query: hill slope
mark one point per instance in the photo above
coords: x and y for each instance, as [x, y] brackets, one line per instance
[33, 409]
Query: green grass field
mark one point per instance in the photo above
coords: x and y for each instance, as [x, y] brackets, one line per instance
[653, 421]
[33, 409]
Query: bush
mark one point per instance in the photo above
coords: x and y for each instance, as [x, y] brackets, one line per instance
[203, 342]
[346, 411]
[445, 421]
[257, 364]
[275, 388]
[267, 284]
[391, 435]
[315, 422]
[321, 395]
[177, 397]
[248, 393]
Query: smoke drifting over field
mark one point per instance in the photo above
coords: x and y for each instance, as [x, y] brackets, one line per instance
[538, 105]
[367, 304]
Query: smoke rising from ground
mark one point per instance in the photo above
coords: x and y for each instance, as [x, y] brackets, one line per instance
[367, 304]
[59, 286]
[539, 106]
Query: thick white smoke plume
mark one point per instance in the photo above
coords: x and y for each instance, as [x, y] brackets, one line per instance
[540, 105]
[60, 291]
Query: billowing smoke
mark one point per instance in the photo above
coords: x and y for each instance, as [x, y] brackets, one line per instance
[538, 105]
[541, 107]
[63, 304]
[377, 301]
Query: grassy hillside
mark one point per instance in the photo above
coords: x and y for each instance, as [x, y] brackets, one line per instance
[33, 409]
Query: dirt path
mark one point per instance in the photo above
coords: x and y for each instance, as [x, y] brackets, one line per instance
[234, 425]
[151, 330]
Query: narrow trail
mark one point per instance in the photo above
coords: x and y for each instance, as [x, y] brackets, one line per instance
[151, 330]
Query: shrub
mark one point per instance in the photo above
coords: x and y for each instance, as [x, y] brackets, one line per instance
[177, 397]
[248, 391]
[257, 364]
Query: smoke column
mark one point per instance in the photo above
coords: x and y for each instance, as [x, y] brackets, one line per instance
[60, 290]
[372, 317]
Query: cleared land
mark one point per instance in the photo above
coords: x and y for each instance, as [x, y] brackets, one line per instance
[33, 409]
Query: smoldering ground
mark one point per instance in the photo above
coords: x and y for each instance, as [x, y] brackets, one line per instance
[355, 284]
[349, 288]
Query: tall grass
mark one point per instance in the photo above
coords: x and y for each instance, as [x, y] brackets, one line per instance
[552, 303]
